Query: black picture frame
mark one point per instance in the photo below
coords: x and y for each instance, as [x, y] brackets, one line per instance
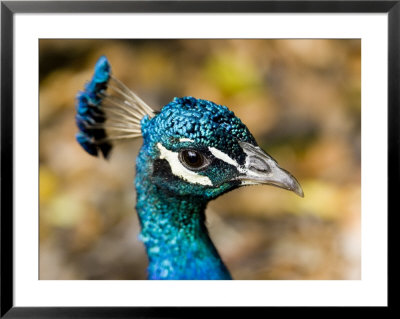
[9, 8]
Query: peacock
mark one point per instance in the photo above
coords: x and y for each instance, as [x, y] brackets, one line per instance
[193, 151]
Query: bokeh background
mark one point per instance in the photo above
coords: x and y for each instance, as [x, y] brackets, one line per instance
[300, 99]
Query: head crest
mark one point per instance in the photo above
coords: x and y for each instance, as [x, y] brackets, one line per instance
[107, 111]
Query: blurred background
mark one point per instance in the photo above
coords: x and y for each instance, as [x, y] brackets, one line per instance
[301, 99]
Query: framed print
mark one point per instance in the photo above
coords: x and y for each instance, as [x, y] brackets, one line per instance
[128, 129]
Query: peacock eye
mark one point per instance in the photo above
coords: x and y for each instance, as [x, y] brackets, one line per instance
[192, 159]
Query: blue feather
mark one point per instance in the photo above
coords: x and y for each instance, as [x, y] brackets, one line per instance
[90, 113]
[86, 142]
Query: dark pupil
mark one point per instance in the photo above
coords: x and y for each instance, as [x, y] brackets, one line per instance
[192, 158]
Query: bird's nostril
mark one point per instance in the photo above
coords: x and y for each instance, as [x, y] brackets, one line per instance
[259, 164]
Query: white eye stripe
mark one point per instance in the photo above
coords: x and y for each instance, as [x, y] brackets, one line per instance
[226, 158]
[186, 140]
[181, 171]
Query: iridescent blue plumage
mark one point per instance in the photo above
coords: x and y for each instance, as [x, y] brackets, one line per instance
[193, 151]
[90, 113]
[172, 210]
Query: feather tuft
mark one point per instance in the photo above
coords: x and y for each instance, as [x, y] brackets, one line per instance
[107, 111]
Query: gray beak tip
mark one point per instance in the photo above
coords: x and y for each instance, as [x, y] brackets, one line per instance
[290, 183]
[299, 191]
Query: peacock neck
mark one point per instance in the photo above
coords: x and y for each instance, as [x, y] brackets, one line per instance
[174, 232]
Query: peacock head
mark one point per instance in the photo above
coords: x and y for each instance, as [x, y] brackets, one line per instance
[200, 148]
[191, 147]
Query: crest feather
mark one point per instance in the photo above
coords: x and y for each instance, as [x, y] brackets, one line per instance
[108, 111]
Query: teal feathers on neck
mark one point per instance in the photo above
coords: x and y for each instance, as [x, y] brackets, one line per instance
[171, 204]
[193, 151]
[174, 233]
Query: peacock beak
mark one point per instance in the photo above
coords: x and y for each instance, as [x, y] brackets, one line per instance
[260, 168]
